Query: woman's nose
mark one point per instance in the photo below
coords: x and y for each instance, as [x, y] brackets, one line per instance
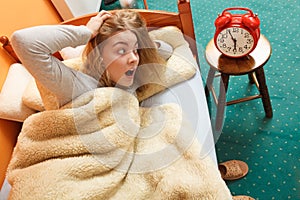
[133, 57]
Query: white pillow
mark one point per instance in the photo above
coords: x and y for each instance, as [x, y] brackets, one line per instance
[11, 105]
[71, 52]
[32, 97]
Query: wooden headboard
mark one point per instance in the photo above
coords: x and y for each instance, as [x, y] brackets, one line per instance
[154, 19]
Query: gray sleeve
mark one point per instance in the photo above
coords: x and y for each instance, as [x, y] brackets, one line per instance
[34, 47]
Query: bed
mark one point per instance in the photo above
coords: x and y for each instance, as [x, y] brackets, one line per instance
[188, 94]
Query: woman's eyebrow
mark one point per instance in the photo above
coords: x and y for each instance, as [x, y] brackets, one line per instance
[120, 42]
[124, 43]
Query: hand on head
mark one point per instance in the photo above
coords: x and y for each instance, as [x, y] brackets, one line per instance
[96, 22]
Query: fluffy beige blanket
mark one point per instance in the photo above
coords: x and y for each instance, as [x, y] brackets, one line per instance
[105, 146]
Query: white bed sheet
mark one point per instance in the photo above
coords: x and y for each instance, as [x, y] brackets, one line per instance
[190, 95]
[5, 190]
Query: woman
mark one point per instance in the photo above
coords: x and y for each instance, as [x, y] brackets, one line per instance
[117, 43]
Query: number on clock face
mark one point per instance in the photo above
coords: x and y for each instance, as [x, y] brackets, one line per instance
[235, 41]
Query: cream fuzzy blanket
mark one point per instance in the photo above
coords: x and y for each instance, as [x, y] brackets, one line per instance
[105, 146]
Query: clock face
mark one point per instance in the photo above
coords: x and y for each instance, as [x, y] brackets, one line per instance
[235, 42]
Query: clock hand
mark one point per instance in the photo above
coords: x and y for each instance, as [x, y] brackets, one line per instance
[234, 41]
[234, 44]
[231, 36]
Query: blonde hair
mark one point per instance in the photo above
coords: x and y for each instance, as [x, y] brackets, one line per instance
[121, 20]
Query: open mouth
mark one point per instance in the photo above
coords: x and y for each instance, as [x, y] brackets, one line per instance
[130, 72]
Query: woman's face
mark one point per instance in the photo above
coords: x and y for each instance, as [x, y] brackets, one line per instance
[120, 57]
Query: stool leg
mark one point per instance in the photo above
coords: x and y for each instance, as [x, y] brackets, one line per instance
[209, 81]
[263, 89]
[222, 101]
[250, 76]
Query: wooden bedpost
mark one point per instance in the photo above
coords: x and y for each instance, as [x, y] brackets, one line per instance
[185, 13]
[6, 45]
[186, 18]
[145, 4]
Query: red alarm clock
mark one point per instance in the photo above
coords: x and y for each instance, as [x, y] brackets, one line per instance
[236, 34]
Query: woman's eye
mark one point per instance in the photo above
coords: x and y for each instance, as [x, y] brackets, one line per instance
[122, 51]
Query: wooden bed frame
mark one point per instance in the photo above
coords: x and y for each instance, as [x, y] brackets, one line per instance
[155, 19]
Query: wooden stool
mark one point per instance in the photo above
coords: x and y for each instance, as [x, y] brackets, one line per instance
[251, 65]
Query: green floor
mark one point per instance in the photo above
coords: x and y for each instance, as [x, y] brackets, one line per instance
[269, 146]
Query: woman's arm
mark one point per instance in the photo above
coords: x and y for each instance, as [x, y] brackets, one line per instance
[34, 46]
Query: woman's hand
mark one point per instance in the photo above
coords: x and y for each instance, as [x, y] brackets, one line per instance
[96, 22]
